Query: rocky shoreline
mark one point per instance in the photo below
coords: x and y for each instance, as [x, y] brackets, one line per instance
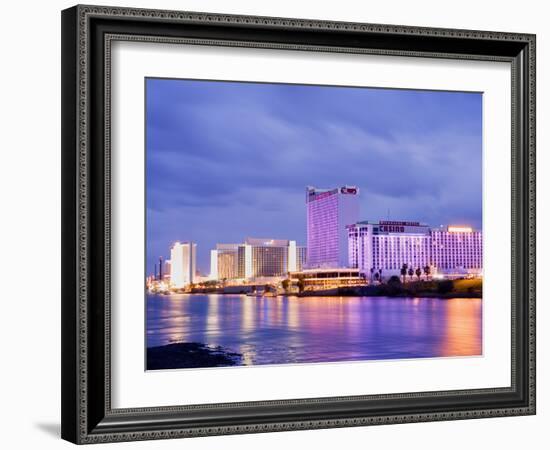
[187, 355]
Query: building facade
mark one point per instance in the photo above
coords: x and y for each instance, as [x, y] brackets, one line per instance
[183, 263]
[329, 211]
[269, 260]
[301, 259]
[457, 250]
[383, 247]
[227, 261]
[256, 258]
[166, 273]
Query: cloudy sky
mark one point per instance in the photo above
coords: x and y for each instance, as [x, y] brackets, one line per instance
[228, 160]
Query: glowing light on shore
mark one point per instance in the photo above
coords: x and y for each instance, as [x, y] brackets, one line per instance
[459, 229]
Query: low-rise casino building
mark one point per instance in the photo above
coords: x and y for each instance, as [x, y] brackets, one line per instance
[321, 279]
[384, 246]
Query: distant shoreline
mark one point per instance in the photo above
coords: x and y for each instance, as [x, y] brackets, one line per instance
[463, 288]
[335, 293]
[343, 293]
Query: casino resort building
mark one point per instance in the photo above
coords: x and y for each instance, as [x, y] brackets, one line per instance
[384, 247]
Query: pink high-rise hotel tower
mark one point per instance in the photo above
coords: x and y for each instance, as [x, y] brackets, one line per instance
[329, 211]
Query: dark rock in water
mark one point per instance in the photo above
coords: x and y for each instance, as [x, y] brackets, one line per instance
[185, 355]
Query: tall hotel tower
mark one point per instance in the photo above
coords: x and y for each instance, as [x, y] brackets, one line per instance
[329, 211]
[183, 264]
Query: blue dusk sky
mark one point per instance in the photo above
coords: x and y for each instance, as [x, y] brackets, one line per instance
[228, 160]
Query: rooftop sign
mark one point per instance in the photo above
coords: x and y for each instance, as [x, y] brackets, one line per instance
[397, 223]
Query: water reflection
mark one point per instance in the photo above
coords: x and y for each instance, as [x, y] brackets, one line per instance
[318, 329]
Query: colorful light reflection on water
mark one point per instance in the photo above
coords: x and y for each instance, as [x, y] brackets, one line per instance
[279, 330]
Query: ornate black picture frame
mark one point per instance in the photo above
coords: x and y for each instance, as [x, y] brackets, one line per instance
[87, 34]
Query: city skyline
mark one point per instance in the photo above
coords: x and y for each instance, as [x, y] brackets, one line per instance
[371, 246]
[226, 161]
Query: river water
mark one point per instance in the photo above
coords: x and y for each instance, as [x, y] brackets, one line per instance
[281, 330]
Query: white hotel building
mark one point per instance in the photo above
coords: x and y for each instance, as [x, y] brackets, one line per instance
[457, 249]
[387, 245]
[183, 264]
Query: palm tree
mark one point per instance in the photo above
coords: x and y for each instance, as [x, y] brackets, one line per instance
[371, 272]
[301, 284]
[285, 284]
[427, 271]
[411, 272]
[418, 272]
[404, 271]
[380, 274]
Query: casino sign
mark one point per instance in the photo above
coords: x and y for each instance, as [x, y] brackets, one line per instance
[393, 226]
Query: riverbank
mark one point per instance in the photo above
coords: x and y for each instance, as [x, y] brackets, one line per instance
[461, 288]
[467, 288]
[366, 292]
[187, 355]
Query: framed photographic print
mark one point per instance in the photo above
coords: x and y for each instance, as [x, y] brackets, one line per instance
[278, 224]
